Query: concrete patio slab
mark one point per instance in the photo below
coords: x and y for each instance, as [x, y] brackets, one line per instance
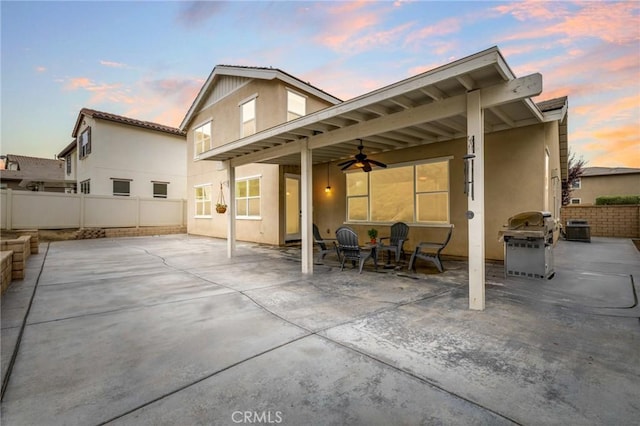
[168, 330]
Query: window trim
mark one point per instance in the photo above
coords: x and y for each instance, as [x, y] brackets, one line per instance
[241, 105]
[579, 201]
[414, 222]
[85, 183]
[196, 201]
[153, 189]
[247, 198]
[84, 150]
[196, 154]
[578, 181]
[288, 90]
[121, 194]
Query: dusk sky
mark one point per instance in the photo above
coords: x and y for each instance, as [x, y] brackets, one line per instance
[148, 60]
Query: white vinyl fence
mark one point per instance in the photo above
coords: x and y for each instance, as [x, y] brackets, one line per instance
[51, 210]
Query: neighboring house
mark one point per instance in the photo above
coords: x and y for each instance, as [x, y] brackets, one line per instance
[605, 181]
[121, 156]
[470, 115]
[237, 102]
[21, 172]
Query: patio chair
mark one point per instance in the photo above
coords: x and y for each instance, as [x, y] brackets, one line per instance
[349, 249]
[430, 251]
[322, 245]
[399, 232]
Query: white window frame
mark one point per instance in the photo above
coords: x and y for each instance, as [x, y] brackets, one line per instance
[203, 201]
[85, 186]
[200, 146]
[414, 222]
[291, 114]
[119, 180]
[579, 201]
[244, 121]
[248, 197]
[67, 163]
[158, 194]
[84, 143]
[577, 184]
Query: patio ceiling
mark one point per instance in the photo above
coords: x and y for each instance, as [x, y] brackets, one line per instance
[427, 108]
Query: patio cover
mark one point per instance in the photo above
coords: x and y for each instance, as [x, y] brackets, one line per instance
[467, 98]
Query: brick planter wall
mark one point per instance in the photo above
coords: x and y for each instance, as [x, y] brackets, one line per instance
[21, 248]
[606, 221]
[6, 257]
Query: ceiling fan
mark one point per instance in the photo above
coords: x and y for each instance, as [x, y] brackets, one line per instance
[360, 161]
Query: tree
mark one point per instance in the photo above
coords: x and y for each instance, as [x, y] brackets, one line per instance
[576, 168]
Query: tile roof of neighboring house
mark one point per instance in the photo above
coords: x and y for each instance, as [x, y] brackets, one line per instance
[34, 168]
[551, 104]
[124, 120]
[607, 171]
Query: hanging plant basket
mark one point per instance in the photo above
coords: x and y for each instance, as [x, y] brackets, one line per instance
[221, 205]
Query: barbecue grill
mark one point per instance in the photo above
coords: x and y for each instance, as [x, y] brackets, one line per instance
[528, 245]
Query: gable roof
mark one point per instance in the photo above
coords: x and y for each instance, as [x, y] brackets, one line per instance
[250, 73]
[608, 171]
[123, 120]
[34, 168]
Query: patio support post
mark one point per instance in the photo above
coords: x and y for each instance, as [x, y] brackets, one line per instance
[231, 211]
[475, 200]
[306, 206]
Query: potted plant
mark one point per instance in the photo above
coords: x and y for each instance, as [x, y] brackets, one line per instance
[373, 233]
[221, 208]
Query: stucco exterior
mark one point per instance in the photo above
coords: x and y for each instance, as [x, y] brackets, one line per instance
[515, 164]
[139, 155]
[222, 109]
[594, 186]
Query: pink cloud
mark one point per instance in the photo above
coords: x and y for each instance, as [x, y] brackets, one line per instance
[619, 146]
[41, 69]
[112, 64]
[444, 27]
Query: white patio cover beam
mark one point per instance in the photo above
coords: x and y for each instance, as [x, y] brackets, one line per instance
[475, 200]
[231, 210]
[306, 171]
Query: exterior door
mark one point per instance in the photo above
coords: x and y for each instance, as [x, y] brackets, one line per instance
[292, 207]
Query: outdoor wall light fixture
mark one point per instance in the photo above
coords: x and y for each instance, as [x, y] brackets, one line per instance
[328, 188]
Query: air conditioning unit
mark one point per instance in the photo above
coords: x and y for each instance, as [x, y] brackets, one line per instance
[578, 230]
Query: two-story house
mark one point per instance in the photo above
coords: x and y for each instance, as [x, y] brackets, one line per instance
[234, 103]
[121, 156]
[605, 181]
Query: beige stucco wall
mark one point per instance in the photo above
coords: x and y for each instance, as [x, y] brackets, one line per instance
[127, 152]
[592, 187]
[514, 165]
[271, 110]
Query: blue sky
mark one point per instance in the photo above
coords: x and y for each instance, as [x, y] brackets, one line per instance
[148, 59]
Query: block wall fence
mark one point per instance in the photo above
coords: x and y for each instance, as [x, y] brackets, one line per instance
[606, 221]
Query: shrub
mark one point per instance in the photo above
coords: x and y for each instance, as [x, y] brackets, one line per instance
[617, 200]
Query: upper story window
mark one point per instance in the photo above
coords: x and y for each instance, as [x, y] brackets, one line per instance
[202, 138]
[248, 118]
[414, 193]
[84, 143]
[296, 105]
[160, 189]
[121, 187]
[67, 161]
[576, 184]
[248, 198]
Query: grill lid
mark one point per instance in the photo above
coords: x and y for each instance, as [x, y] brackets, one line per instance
[529, 220]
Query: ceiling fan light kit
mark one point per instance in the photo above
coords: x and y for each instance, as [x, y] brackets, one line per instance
[360, 161]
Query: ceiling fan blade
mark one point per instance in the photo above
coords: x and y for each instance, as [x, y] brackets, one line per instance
[348, 164]
[377, 163]
[367, 166]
